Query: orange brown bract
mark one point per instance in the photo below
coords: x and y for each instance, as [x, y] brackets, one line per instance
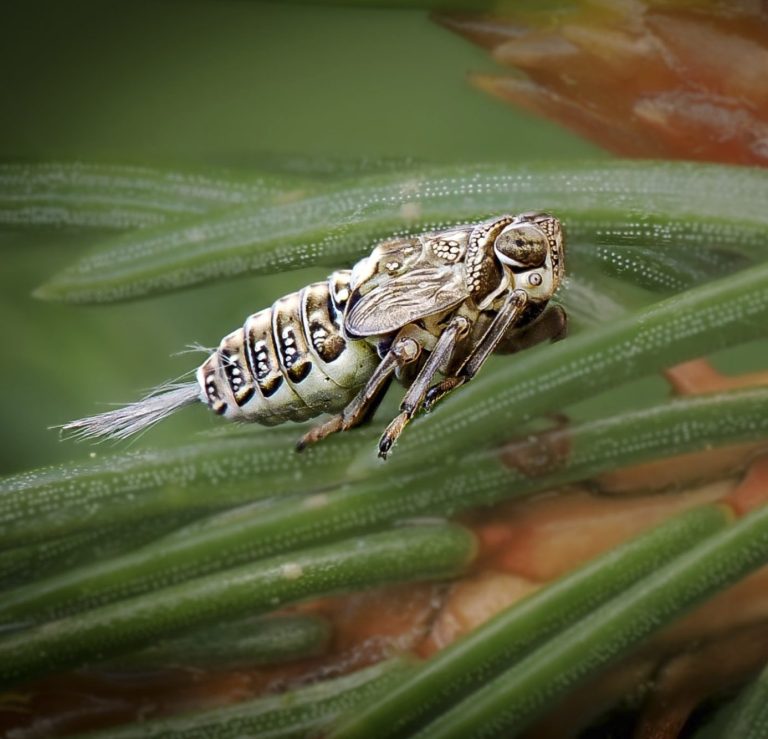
[645, 79]
[523, 545]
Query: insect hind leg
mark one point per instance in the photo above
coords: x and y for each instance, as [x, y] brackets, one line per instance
[358, 412]
[404, 350]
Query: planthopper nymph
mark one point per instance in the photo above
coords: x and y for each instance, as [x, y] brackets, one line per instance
[427, 309]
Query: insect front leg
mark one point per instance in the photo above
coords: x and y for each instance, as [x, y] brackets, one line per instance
[456, 330]
[404, 350]
[505, 319]
[551, 325]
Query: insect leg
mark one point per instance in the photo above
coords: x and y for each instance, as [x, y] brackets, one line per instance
[508, 314]
[551, 325]
[456, 330]
[403, 351]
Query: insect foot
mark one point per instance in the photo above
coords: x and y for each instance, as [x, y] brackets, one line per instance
[319, 432]
[389, 437]
[437, 392]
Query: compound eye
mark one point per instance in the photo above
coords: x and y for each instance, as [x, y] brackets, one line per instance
[522, 247]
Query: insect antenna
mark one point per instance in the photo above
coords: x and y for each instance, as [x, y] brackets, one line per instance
[135, 417]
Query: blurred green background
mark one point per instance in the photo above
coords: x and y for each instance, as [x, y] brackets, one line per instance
[236, 84]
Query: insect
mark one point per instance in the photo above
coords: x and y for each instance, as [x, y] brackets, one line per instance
[419, 307]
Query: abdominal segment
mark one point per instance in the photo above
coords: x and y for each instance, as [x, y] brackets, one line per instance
[289, 362]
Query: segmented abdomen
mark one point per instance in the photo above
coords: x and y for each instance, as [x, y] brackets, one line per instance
[289, 362]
